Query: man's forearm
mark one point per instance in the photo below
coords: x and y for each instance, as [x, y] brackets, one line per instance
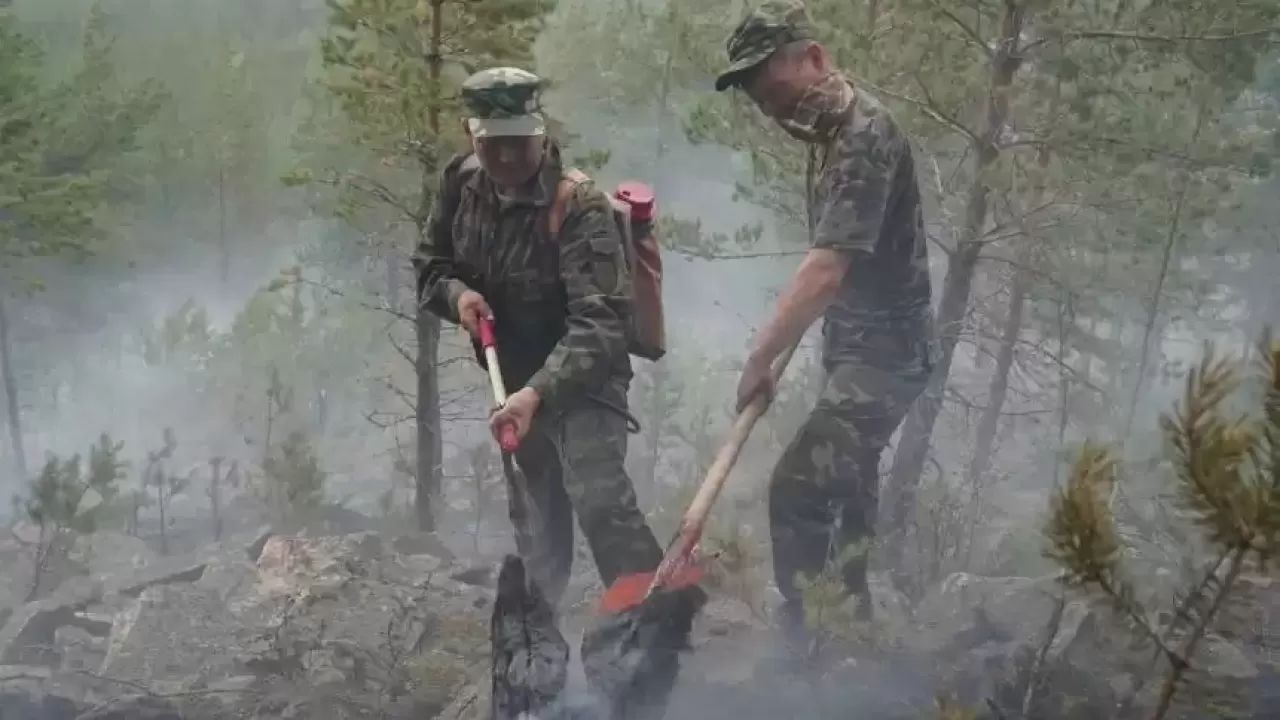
[812, 289]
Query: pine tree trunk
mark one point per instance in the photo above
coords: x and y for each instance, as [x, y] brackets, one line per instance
[1011, 331]
[224, 246]
[11, 397]
[913, 447]
[215, 496]
[984, 440]
[429, 446]
[1149, 336]
[664, 108]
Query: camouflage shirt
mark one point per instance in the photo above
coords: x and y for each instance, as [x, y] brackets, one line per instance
[866, 200]
[560, 305]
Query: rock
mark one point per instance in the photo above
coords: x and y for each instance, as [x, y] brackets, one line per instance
[28, 636]
[136, 707]
[111, 553]
[969, 610]
[254, 551]
[17, 556]
[36, 693]
[1222, 659]
[327, 626]
[80, 649]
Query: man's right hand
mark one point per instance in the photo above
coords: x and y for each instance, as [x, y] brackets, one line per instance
[471, 308]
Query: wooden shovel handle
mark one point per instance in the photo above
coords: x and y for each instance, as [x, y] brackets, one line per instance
[696, 516]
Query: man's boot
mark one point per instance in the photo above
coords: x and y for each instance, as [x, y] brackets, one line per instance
[797, 642]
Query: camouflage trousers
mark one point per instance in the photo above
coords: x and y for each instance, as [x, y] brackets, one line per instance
[572, 461]
[824, 492]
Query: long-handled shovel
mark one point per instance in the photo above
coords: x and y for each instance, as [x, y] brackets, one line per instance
[677, 568]
[507, 439]
[631, 653]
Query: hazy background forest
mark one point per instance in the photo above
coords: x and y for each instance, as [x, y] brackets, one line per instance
[206, 310]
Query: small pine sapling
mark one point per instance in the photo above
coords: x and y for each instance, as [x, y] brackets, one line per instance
[295, 478]
[163, 483]
[63, 501]
[219, 482]
[1228, 484]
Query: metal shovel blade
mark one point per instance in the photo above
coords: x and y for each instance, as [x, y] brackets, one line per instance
[530, 662]
[631, 659]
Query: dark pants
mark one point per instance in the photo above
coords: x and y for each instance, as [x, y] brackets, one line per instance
[824, 492]
[573, 461]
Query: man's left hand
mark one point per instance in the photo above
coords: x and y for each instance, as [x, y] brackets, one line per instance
[517, 412]
[757, 378]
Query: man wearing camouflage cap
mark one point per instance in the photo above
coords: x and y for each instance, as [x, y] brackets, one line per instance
[866, 274]
[560, 306]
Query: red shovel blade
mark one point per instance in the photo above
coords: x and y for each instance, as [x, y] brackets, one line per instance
[629, 591]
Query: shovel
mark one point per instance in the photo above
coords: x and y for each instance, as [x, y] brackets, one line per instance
[631, 654]
[678, 568]
[507, 439]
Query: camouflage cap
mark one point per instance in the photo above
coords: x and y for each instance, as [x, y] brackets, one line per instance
[503, 101]
[766, 28]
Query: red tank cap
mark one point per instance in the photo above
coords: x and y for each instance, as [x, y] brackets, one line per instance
[637, 195]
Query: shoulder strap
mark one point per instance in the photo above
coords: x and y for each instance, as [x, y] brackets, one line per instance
[456, 174]
[571, 179]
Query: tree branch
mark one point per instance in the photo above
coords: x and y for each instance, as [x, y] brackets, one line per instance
[969, 31]
[734, 256]
[339, 293]
[1144, 37]
[932, 111]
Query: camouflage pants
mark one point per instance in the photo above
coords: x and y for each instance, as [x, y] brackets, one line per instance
[824, 492]
[573, 461]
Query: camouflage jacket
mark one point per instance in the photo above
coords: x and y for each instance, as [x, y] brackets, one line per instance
[866, 200]
[560, 305]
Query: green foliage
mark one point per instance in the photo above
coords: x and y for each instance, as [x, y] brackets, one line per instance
[70, 495]
[69, 498]
[163, 483]
[183, 339]
[59, 143]
[948, 710]
[1227, 472]
[294, 477]
[399, 102]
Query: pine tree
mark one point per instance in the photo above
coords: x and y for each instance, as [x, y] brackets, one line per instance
[394, 67]
[60, 145]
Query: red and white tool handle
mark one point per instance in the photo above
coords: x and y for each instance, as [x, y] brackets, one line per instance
[507, 434]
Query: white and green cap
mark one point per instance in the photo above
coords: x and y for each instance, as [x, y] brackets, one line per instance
[504, 101]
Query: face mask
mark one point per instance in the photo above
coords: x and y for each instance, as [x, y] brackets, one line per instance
[819, 109]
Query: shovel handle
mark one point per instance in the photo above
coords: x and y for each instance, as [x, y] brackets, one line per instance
[507, 439]
[695, 517]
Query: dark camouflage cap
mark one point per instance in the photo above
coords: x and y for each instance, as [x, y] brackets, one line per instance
[766, 28]
[503, 101]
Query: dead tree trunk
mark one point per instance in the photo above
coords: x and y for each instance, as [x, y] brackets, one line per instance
[1025, 258]
[224, 241]
[1011, 330]
[430, 447]
[215, 496]
[429, 442]
[1149, 336]
[13, 407]
[913, 448]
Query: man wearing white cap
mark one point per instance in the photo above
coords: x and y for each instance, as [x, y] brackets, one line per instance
[561, 303]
